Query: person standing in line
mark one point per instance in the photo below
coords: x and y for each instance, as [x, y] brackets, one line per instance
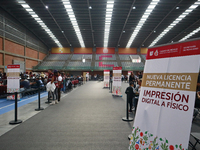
[132, 78]
[130, 95]
[137, 92]
[60, 85]
[63, 82]
[55, 81]
[50, 76]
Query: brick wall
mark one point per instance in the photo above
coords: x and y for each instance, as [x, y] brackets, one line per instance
[1, 44]
[14, 48]
[31, 63]
[41, 56]
[1, 59]
[31, 53]
[9, 59]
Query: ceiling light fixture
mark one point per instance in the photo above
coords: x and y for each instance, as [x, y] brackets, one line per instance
[73, 20]
[108, 17]
[177, 7]
[134, 7]
[39, 21]
[176, 21]
[46, 7]
[148, 11]
[90, 7]
[190, 34]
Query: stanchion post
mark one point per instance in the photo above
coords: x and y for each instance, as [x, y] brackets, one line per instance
[39, 108]
[16, 121]
[48, 102]
[127, 118]
[111, 86]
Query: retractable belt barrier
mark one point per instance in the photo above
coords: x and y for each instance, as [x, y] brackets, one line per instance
[127, 118]
[16, 120]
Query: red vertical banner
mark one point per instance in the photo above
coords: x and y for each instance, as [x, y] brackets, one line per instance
[106, 77]
[117, 74]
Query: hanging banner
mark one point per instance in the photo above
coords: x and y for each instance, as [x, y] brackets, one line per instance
[117, 89]
[166, 102]
[13, 81]
[106, 78]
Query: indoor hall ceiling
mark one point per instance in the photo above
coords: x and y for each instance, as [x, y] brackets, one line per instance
[92, 21]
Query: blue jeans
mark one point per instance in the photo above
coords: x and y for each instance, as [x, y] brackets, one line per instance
[64, 87]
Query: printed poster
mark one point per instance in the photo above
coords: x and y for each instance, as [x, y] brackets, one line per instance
[13, 81]
[166, 102]
[106, 78]
[117, 73]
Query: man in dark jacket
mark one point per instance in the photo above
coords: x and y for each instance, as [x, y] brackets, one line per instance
[130, 95]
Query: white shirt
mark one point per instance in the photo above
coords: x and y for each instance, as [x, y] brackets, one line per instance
[59, 78]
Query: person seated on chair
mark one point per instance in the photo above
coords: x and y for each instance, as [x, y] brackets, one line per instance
[25, 83]
[38, 83]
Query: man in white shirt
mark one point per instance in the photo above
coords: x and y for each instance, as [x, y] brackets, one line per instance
[60, 84]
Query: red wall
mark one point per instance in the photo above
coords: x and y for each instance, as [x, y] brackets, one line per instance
[127, 51]
[101, 50]
[31, 53]
[30, 63]
[14, 48]
[82, 50]
[9, 59]
[1, 59]
[1, 44]
[41, 56]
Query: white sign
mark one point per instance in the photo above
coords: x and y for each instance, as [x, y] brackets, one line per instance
[13, 84]
[117, 73]
[106, 78]
[166, 102]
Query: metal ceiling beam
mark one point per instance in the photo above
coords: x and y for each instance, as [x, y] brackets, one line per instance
[24, 25]
[91, 23]
[161, 22]
[184, 30]
[55, 22]
[125, 22]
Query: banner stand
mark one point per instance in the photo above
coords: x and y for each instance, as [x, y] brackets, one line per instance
[167, 97]
[106, 78]
[116, 87]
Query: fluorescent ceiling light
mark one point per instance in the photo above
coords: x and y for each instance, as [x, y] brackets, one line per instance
[174, 23]
[108, 17]
[73, 20]
[190, 34]
[40, 22]
[146, 14]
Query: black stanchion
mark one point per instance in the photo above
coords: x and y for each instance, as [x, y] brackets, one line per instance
[48, 102]
[111, 86]
[127, 118]
[39, 108]
[16, 121]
